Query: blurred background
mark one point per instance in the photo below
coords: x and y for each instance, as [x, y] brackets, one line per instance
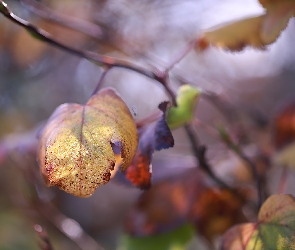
[35, 78]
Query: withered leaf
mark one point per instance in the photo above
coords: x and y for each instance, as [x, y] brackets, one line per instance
[284, 126]
[153, 136]
[185, 198]
[276, 19]
[256, 32]
[274, 229]
[284, 136]
[75, 147]
[235, 35]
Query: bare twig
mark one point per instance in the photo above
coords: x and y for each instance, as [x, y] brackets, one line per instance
[199, 152]
[283, 180]
[68, 226]
[236, 149]
[102, 60]
[80, 25]
[181, 55]
[225, 137]
[102, 77]
[45, 244]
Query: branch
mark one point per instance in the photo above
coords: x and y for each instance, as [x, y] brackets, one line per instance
[199, 152]
[45, 244]
[226, 139]
[67, 226]
[91, 56]
[181, 55]
[102, 77]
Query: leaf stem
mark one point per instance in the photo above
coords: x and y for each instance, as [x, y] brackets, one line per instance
[102, 77]
[181, 55]
[45, 244]
[283, 180]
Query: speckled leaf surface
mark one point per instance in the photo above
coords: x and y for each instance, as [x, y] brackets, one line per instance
[75, 149]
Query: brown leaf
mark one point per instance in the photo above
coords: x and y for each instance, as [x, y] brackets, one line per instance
[235, 35]
[75, 149]
[152, 136]
[184, 198]
[284, 136]
[276, 20]
[256, 32]
[284, 126]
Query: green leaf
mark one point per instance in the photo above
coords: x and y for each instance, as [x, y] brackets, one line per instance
[275, 228]
[175, 240]
[187, 99]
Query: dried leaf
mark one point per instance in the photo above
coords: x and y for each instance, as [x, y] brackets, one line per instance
[256, 32]
[153, 136]
[187, 98]
[274, 229]
[276, 19]
[284, 136]
[180, 199]
[284, 126]
[235, 35]
[75, 151]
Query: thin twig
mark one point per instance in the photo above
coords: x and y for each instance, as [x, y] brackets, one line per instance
[45, 244]
[67, 226]
[91, 56]
[102, 77]
[236, 149]
[283, 180]
[199, 152]
[181, 55]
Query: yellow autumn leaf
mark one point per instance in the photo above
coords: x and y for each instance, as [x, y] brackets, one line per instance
[235, 35]
[75, 148]
[276, 19]
[256, 32]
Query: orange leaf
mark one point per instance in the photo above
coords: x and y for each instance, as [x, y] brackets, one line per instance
[152, 136]
[256, 32]
[75, 151]
[284, 126]
[235, 35]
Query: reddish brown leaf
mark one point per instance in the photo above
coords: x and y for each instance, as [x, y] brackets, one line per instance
[152, 136]
[184, 198]
[284, 126]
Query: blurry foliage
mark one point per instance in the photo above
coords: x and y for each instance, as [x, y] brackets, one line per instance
[176, 239]
[181, 201]
[275, 227]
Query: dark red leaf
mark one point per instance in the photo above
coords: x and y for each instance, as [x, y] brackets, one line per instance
[153, 136]
[284, 126]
